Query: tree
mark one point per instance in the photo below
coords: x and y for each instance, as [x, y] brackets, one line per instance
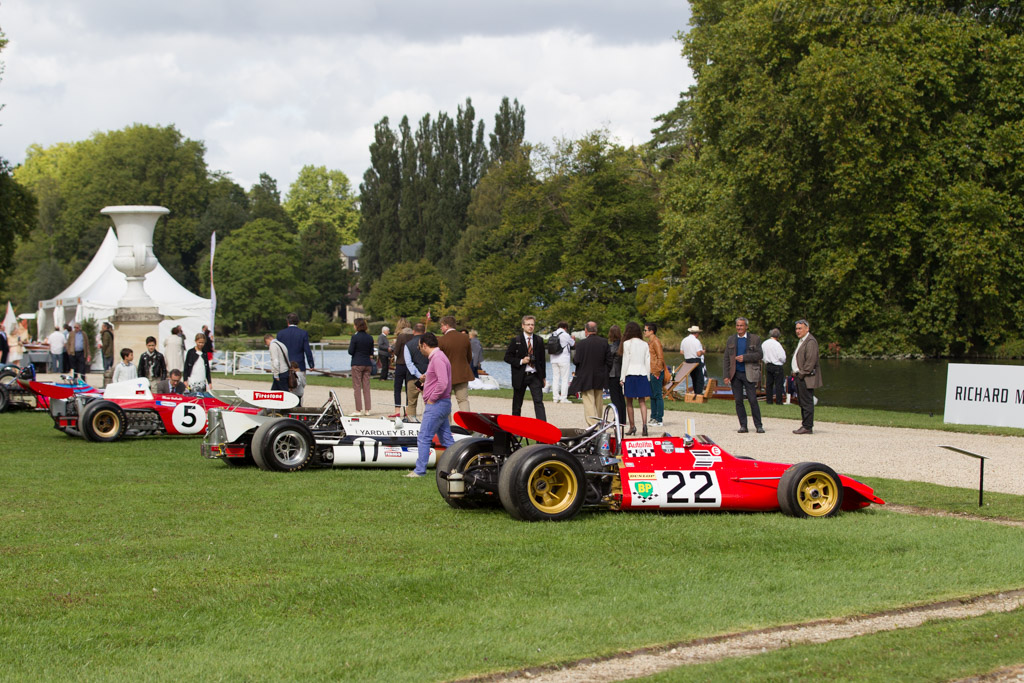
[137, 165]
[320, 195]
[320, 249]
[17, 213]
[265, 202]
[860, 174]
[509, 130]
[257, 275]
[405, 289]
[379, 199]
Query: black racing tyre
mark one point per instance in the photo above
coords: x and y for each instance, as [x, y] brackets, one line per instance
[810, 489]
[5, 399]
[8, 375]
[255, 444]
[458, 458]
[542, 483]
[286, 445]
[102, 421]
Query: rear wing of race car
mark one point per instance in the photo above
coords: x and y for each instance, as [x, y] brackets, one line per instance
[274, 400]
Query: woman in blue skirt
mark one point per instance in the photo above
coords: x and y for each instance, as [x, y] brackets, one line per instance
[636, 372]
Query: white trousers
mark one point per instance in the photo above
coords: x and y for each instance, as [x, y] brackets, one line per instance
[559, 380]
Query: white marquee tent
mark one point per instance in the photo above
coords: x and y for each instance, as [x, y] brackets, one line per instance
[95, 293]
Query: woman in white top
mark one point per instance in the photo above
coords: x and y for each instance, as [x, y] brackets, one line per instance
[636, 372]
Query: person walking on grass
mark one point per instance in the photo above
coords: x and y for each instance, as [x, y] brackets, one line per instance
[437, 393]
[743, 371]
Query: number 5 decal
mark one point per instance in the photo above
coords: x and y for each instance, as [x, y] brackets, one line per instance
[188, 418]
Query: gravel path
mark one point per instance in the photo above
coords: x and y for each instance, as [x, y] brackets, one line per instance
[908, 454]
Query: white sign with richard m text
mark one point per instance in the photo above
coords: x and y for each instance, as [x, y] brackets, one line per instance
[985, 395]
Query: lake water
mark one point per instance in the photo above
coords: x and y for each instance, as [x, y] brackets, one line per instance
[917, 386]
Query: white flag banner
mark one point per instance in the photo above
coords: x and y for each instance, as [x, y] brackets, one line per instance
[213, 292]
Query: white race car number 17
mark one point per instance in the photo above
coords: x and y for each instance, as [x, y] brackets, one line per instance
[188, 418]
[674, 488]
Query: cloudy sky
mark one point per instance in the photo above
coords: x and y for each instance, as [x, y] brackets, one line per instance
[272, 86]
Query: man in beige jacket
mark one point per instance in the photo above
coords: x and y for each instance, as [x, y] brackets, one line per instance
[807, 372]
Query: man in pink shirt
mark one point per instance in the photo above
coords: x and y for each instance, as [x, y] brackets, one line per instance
[437, 393]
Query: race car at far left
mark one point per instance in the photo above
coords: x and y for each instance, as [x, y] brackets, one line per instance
[130, 409]
[16, 388]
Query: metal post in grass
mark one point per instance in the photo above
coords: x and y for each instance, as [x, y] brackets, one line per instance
[981, 460]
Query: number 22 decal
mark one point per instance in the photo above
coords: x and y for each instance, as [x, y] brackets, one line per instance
[680, 476]
[694, 488]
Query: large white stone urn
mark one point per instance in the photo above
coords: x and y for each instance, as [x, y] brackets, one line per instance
[135, 258]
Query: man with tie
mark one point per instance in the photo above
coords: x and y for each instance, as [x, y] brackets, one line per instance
[525, 353]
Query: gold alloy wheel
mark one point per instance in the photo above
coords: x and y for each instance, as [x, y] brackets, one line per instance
[552, 487]
[817, 494]
[106, 424]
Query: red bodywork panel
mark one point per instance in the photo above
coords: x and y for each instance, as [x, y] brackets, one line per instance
[526, 427]
[44, 391]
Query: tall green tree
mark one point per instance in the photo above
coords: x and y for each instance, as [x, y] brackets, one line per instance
[258, 276]
[380, 194]
[17, 214]
[407, 289]
[320, 195]
[265, 202]
[861, 173]
[137, 165]
[320, 254]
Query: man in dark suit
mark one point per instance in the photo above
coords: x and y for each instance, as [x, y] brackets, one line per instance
[296, 340]
[743, 371]
[525, 353]
[457, 348]
[593, 361]
[808, 375]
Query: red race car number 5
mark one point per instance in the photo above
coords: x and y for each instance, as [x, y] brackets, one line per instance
[188, 418]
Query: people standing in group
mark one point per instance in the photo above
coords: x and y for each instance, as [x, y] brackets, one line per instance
[403, 333]
[278, 362]
[360, 348]
[416, 366]
[56, 341]
[743, 371]
[774, 368]
[174, 349]
[693, 352]
[614, 371]
[591, 378]
[171, 385]
[197, 366]
[636, 373]
[560, 371]
[296, 340]
[78, 349]
[525, 353]
[457, 349]
[16, 342]
[124, 370]
[208, 345]
[657, 374]
[107, 346]
[807, 371]
[478, 352]
[384, 352]
[152, 364]
[437, 391]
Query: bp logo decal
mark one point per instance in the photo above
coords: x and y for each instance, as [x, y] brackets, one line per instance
[643, 489]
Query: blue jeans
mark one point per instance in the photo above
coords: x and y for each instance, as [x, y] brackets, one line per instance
[435, 421]
[657, 400]
[56, 362]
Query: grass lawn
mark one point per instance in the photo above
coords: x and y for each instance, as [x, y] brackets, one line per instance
[141, 559]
